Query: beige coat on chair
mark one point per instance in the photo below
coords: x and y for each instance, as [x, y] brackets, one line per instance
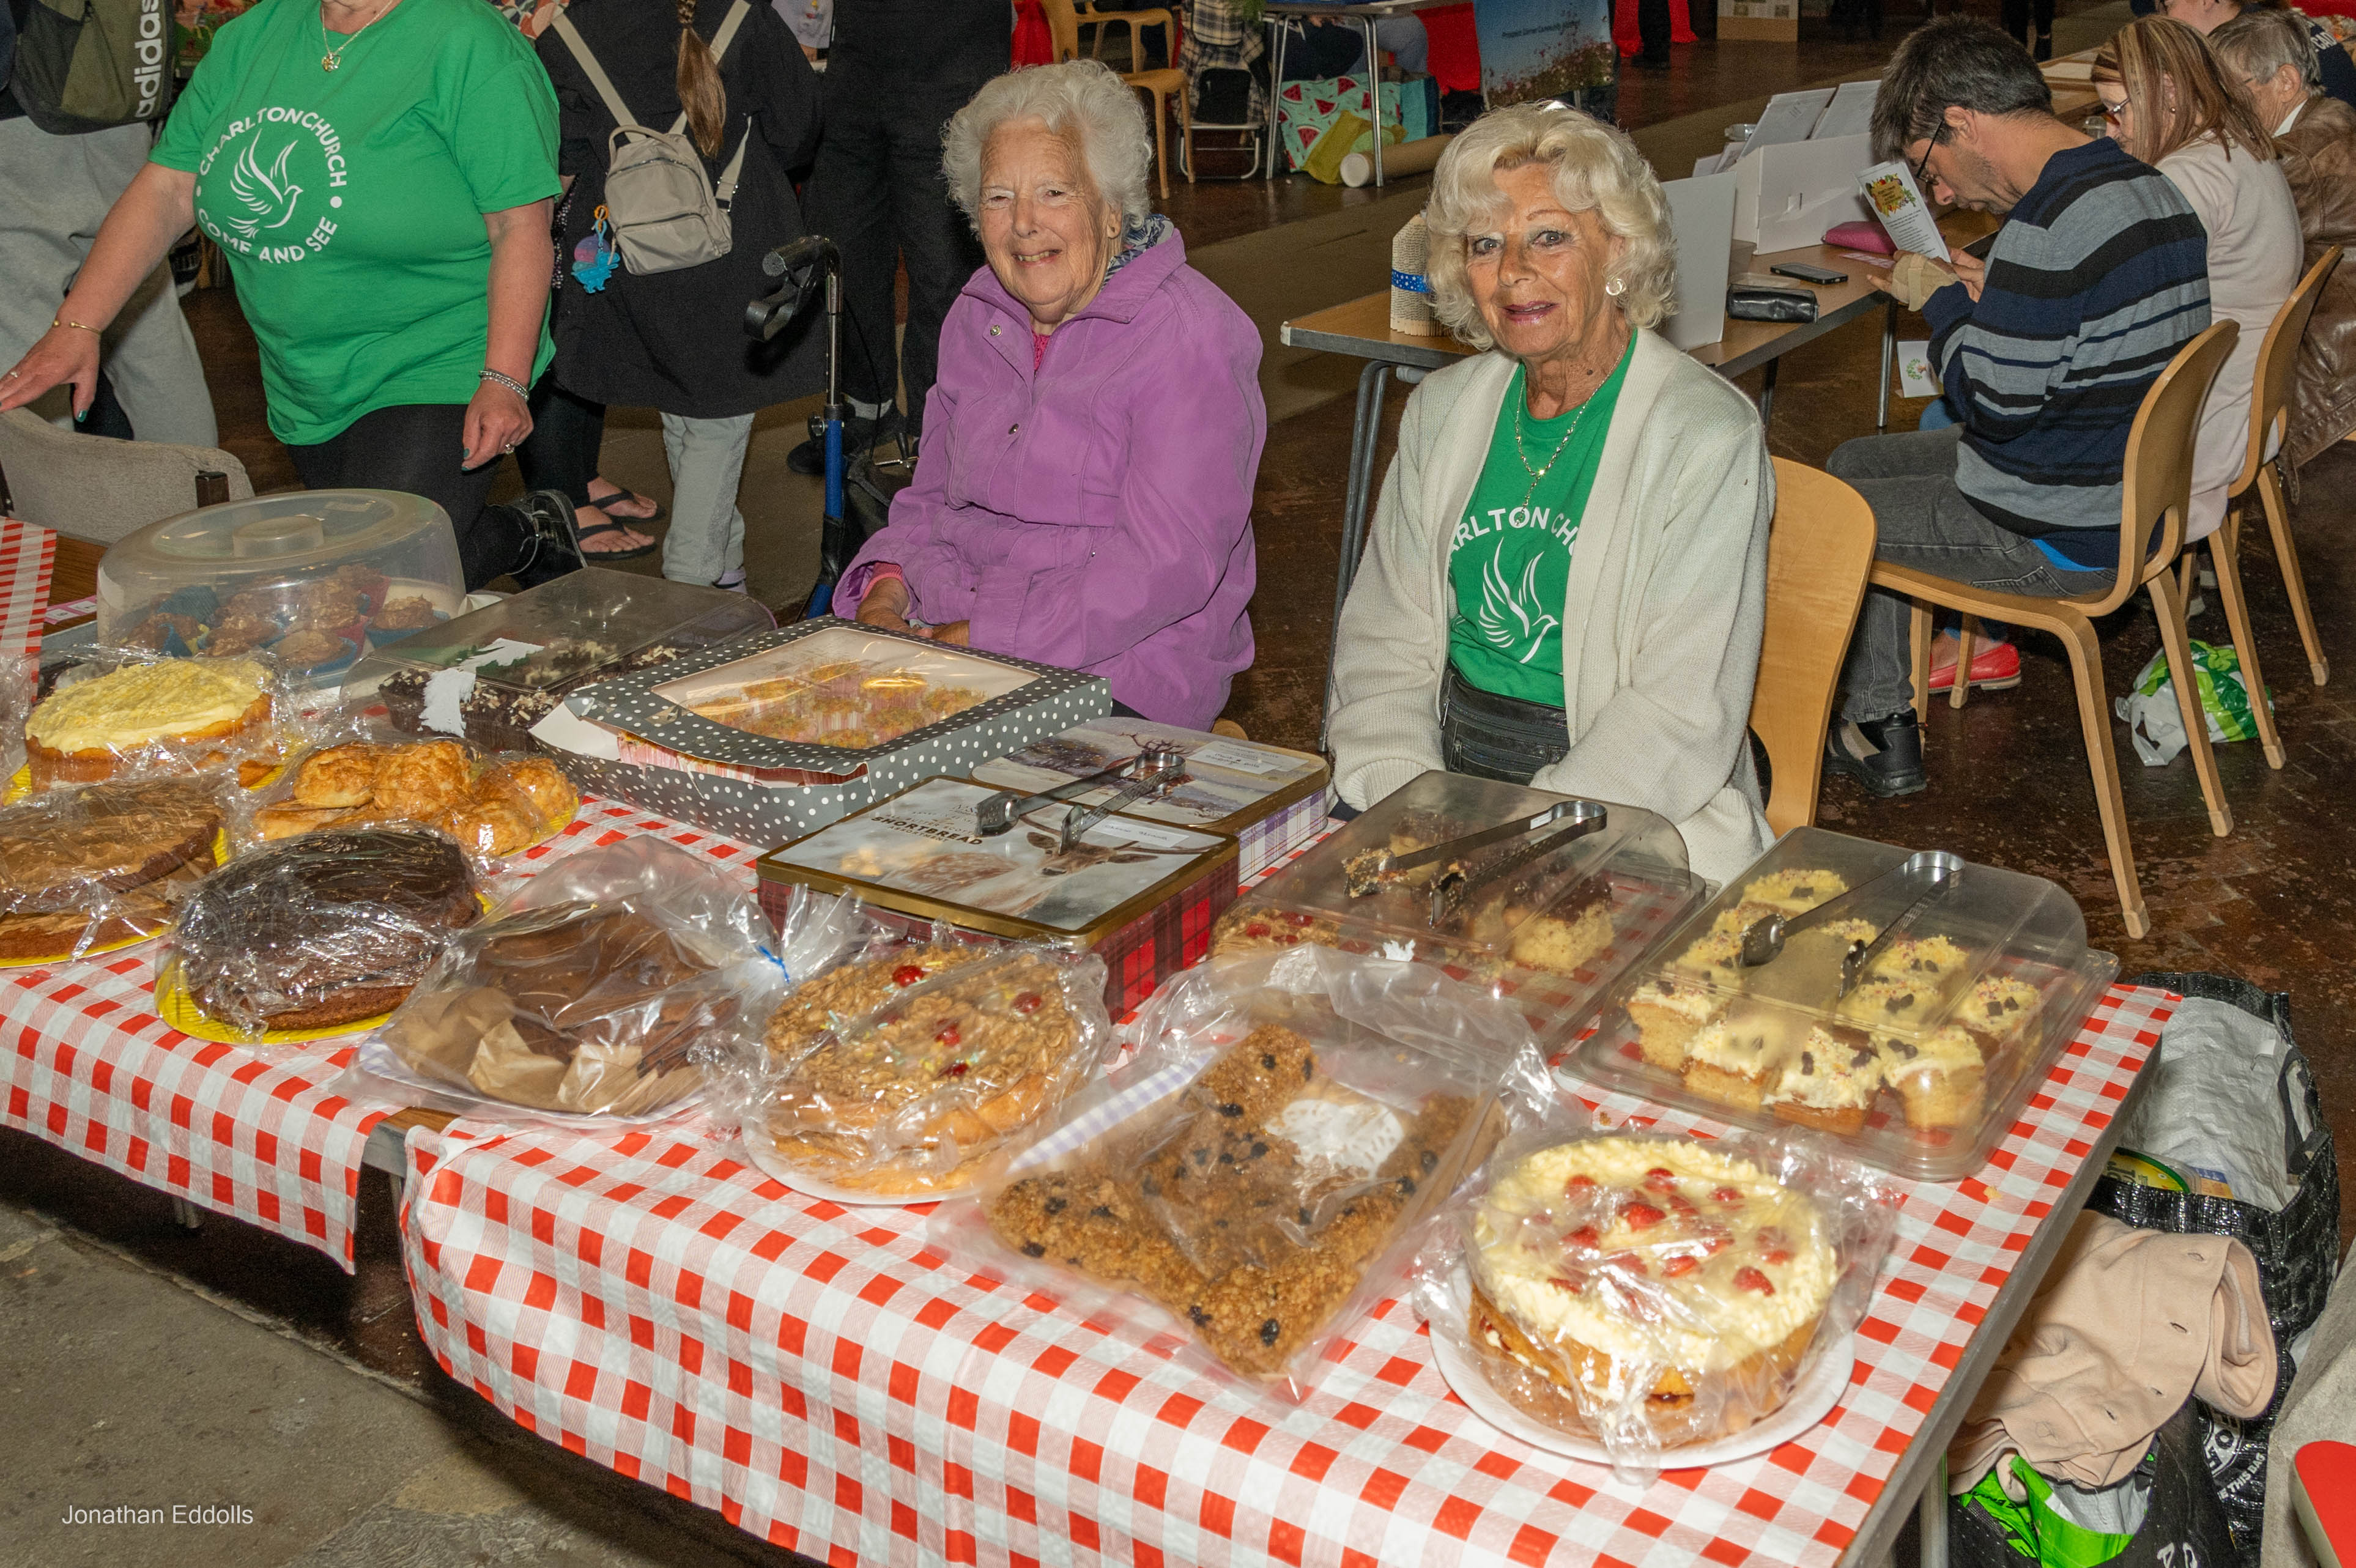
[1662, 616]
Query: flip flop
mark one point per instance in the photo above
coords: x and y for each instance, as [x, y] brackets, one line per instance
[630, 499]
[595, 530]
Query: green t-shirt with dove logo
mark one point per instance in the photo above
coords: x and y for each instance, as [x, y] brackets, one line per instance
[350, 202]
[1509, 559]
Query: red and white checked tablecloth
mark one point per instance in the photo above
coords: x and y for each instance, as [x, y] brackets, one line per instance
[86, 1064]
[824, 1380]
[28, 553]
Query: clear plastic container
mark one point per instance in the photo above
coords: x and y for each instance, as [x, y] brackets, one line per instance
[1553, 934]
[506, 666]
[1919, 1066]
[317, 579]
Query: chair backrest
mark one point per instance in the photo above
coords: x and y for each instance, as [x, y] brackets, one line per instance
[1064, 24]
[1819, 551]
[98, 489]
[2159, 480]
[2277, 369]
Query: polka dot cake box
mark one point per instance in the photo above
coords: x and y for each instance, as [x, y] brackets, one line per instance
[776, 734]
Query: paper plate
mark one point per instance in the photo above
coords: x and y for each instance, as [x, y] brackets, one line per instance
[1816, 1395]
[765, 1159]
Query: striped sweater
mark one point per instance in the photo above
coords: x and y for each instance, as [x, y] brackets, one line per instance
[2096, 279]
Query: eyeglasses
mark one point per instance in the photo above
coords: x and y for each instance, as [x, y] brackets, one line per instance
[2115, 112]
[1922, 169]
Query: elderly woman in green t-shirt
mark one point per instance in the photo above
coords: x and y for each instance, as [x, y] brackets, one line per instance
[378, 173]
[1565, 580]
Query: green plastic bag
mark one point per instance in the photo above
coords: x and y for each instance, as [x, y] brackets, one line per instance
[2034, 1531]
[2155, 723]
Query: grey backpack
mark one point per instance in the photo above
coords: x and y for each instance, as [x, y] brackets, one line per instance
[664, 209]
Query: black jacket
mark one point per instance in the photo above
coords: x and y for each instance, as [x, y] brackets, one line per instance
[674, 341]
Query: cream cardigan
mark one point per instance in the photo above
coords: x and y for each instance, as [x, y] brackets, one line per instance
[1662, 614]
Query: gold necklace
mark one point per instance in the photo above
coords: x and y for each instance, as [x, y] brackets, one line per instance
[1538, 474]
[333, 59]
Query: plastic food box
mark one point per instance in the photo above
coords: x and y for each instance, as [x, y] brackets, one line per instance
[1142, 895]
[492, 673]
[1920, 1067]
[776, 734]
[1552, 933]
[1271, 800]
[317, 579]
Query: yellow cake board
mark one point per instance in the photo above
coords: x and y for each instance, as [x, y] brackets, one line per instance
[20, 783]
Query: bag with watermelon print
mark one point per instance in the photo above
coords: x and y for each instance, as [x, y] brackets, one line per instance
[1306, 111]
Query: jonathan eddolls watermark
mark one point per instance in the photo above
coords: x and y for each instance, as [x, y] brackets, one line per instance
[178, 1513]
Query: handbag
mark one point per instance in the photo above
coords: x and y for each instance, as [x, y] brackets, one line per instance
[666, 212]
[2297, 1246]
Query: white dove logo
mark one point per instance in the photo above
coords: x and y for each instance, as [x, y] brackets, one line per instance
[1507, 617]
[269, 199]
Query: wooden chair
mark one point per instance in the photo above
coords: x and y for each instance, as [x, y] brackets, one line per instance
[2277, 372]
[1064, 19]
[2157, 489]
[1819, 551]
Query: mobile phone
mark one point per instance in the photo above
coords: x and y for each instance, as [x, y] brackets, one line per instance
[1808, 274]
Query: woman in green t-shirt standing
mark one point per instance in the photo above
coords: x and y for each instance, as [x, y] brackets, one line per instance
[1565, 582]
[378, 173]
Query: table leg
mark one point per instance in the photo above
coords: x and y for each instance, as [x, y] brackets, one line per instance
[1366, 433]
[1889, 357]
[1931, 1515]
[1275, 86]
[1767, 393]
[1374, 78]
[186, 1215]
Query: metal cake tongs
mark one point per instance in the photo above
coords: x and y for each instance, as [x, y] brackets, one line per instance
[1763, 939]
[1156, 770]
[1369, 873]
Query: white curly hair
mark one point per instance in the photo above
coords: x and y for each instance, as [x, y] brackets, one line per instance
[1596, 167]
[1085, 96]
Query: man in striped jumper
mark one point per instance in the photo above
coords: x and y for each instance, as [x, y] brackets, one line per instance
[2098, 276]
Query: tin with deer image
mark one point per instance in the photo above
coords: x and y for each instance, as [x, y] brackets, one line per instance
[1142, 895]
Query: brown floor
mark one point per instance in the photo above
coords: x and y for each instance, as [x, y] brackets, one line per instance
[2273, 902]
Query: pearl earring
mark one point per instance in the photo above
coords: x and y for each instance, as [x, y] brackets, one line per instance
[1615, 287]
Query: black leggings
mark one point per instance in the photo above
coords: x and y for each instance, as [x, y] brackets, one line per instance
[417, 447]
[561, 452]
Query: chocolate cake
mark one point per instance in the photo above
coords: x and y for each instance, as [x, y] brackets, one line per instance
[322, 930]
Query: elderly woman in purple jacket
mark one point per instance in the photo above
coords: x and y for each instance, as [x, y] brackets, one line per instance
[1083, 495]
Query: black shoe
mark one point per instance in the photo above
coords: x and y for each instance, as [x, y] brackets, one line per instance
[858, 435]
[1885, 755]
[548, 548]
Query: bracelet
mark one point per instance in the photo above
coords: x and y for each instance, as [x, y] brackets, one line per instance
[55, 322]
[510, 382]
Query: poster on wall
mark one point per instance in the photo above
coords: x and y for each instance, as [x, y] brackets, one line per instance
[1545, 48]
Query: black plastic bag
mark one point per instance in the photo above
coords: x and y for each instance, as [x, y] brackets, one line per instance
[2185, 1527]
[2297, 1246]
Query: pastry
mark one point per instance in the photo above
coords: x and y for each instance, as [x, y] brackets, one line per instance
[576, 1007]
[284, 821]
[1667, 1012]
[1732, 1060]
[543, 782]
[493, 822]
[177, 711]
[1938, 1078]
[1830, 1083]
[1252, 1206]
[423, 781]
[1795, 891]
[412, 613]
[1619, 1283]
[322, 930]
[340, 775]
[1928, 960]
[911, 1099]
[1997, 1011]
[106, 863]
[849, 703]
[305, 648]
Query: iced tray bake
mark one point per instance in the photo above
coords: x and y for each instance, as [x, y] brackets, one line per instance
[1252, 1210]
[1620, 1281]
